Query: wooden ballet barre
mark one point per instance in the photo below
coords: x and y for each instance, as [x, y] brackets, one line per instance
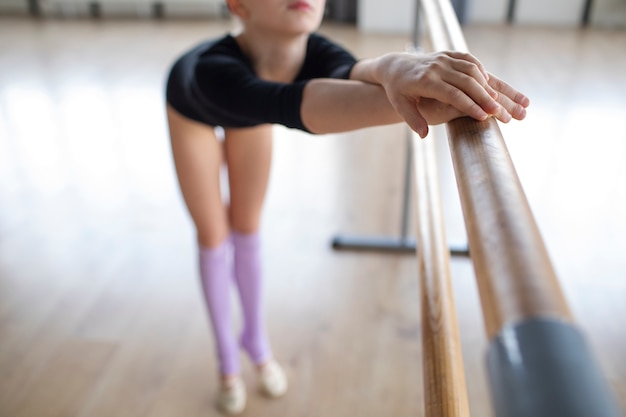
[538, 362]
[515, 276]
[445, 392]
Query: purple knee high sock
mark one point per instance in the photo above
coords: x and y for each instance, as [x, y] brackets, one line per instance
[248, 275]
[216, 283]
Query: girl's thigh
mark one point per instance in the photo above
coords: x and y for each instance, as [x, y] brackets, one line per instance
[248, 155]
[198, 156]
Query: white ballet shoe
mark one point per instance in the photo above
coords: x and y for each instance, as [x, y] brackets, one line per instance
[231, 398]
[272, 380]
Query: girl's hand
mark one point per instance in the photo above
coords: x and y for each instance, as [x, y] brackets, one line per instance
[451, 78]
[512, 105]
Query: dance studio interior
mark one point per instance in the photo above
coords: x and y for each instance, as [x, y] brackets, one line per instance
[480, 271]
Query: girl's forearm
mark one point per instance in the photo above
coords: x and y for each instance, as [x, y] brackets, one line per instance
[332, 106]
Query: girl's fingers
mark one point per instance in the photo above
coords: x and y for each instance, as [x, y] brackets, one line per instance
[457, 98]
[473, 89]
[473, 70]
[505, 89]
[503, 115]
[471, 59]
[407, 108]
[516, 110]
[465, 73]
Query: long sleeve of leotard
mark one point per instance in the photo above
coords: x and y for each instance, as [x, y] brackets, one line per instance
[240, 96]
[226, 85]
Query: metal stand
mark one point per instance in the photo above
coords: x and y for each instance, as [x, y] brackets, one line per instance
[402, 244]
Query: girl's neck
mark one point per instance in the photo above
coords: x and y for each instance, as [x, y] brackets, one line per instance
[275, 57]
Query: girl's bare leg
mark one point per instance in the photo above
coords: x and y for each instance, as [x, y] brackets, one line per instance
[248, 156]
[198, 157]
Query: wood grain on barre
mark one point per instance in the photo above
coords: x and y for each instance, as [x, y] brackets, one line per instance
[515, 277]
[445, 392]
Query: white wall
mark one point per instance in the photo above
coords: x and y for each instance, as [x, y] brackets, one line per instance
[386, 16]
[549, 12]
[487, 11]
[194, 8]
[381, 16]
[395, 16]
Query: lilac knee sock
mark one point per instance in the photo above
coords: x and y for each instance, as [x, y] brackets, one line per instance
[248, 275]
[216, 283]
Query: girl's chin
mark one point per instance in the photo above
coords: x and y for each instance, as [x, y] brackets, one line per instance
[297, 31]
[303, 27]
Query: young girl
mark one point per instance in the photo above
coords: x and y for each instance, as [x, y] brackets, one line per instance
[277, 70]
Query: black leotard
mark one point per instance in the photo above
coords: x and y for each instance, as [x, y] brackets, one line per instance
[215, 83]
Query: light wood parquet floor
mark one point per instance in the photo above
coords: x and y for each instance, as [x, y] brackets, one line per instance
[100, 309]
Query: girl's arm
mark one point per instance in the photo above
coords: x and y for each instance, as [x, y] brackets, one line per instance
[332, 106]
[434, 88]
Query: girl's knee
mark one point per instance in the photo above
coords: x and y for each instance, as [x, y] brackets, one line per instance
[245, 227]
[212, 238]
[245, 220]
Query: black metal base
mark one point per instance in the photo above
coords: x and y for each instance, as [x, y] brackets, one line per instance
[387, 244]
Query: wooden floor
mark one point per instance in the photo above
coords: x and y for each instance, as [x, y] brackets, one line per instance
[100, 309]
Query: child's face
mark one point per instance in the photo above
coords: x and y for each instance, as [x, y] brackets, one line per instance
[283, 16]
